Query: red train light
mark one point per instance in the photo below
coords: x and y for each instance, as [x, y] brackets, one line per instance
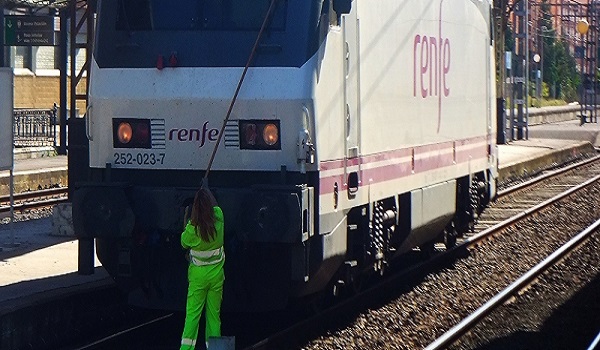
[131, 133]
[260, 134]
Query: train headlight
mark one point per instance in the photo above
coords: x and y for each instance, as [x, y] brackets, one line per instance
[131, 133]
[260, 134]
[124, 132]
[271, 134]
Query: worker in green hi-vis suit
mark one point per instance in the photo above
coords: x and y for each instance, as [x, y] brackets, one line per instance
[203, 236]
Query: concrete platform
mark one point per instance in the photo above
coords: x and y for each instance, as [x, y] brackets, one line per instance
[567, 130]
[35, 174]
[42, 297]
[522, 158]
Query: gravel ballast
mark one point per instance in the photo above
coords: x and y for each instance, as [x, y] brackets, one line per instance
[415, 319]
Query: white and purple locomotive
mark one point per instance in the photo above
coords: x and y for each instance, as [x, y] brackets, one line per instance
[363, 129]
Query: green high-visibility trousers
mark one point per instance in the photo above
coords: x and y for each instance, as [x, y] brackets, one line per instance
[205, 287]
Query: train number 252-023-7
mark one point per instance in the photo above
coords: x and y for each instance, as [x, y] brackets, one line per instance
[123, 158]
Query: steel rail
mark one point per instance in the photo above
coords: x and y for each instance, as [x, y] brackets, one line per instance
[545, 176]
[508, 222]
[36, 194]
[595, 342]
[120, 333]
[33, 205]
[467, 324]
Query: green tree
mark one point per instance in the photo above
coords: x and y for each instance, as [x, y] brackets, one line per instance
[568, 77]
[559, 66]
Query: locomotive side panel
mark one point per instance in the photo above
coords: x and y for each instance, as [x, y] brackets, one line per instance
[426, 115]
[425, 81]
[425, 99]
[423, 72]
[425, 121]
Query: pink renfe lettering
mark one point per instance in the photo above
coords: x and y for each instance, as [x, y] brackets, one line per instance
[194, 135]
[431, 65]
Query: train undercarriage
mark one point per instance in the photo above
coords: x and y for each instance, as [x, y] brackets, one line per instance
[376, 240]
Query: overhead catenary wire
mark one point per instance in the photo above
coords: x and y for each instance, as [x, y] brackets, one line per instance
[237, 90]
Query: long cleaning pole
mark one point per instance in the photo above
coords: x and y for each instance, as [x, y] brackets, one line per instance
[237, 90]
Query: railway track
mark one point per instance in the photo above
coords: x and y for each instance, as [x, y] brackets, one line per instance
[514, 205]
[135, 333]
[519, 198]
[34, 199]
[525, 281]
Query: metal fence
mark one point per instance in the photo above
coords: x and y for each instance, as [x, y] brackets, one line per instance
[34, 127]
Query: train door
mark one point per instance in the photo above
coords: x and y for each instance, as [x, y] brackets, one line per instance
[350, 27]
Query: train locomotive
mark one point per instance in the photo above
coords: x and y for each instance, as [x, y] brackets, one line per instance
[362, 129]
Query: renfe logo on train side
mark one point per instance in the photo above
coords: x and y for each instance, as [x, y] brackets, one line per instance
[194, 135]
[431, 65]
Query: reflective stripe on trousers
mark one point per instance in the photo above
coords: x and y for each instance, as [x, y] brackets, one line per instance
[205, 292]
[188, 342]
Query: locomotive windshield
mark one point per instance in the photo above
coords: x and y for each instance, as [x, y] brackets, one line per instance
[197, 15]
[208, 33]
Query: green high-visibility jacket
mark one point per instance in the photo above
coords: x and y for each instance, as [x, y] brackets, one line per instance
[191, 240]
[205, 277]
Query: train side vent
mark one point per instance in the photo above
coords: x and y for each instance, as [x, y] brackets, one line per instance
[157, 127]
[232, 134]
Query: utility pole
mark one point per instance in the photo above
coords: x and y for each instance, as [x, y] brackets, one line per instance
[501, 20]
[519, 86]
[2, 52]
[500, 16]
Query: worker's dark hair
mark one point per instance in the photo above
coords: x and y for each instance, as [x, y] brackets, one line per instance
[203, 215]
